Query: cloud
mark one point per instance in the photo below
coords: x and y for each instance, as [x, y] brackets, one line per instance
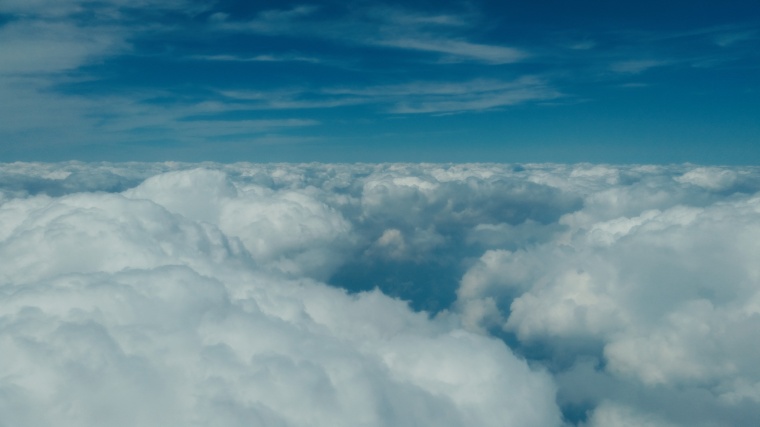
[45, 36]
[728, 39]
[257, 58]
[622, 295]
[504, 94]
[581, 45]
[167, 304]
[289, 231]
[612, 415]
[636, 52]
[653, 278]
[411, 30]
[636, 66]
[271, 21]
[380, 26]
[113, 74]
[47, 44]
[458, 49]
[41, 47]
[420, 97]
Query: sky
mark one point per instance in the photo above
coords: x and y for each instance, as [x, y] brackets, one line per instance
[311, 295]
[369, 81]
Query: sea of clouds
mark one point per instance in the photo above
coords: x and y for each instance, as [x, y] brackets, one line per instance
[145, 294]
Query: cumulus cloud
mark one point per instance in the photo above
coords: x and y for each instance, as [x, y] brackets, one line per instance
[187, 294]
[287, 230]
[160, 304]
[654, 278]
[612, 415]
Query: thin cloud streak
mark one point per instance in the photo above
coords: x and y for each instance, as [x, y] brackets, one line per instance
[409, 98]
[636, 66]
[256, 58]
[379, 27]
[459, 50]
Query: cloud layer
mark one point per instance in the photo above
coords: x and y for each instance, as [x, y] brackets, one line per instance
[189, 300]
[197, 294]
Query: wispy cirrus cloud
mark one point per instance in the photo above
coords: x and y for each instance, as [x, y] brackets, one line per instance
[729, 38]
[119, 70]
[636, 66]
[457, 97]
[290, 99]
[420, 97]
[272, 21]
[457, 50]
[437, 34]
[257, 58]
[38, 47]
[637, 52]
[383, 27]
[49, 44]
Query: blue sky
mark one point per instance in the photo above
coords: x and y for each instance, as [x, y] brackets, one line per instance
[557, 81]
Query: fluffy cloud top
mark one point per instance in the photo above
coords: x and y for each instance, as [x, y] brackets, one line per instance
[187, 300]
[185, 294]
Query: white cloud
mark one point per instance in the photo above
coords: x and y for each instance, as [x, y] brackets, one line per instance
[48, 44]
[199, 288]
[715, 179]
[728, 39]
[41, 47]
[636, 66]
[272, 21]
[48, 37]
[582, 45]
[459, 49]
[380, 26]
[612, 415]
[421, 97]
[257, 58]
[406, 29]
[654, 277]
[288, 231]
[159, 305]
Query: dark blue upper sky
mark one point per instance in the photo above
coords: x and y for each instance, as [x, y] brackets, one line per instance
[547, 80]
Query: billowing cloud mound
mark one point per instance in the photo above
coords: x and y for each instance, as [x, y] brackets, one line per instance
[186, 300]
[185, 294]
[655, 282]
